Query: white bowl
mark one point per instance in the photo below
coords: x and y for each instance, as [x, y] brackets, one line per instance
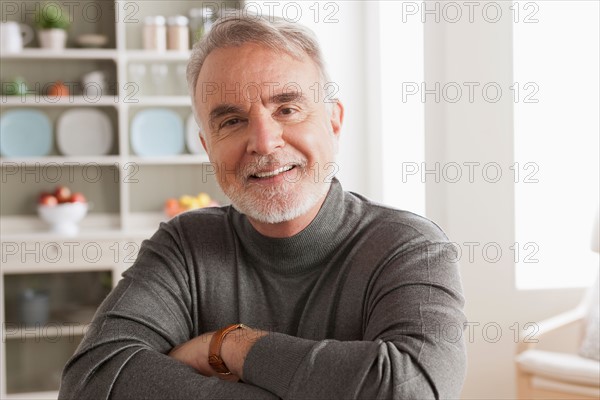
[63, 218]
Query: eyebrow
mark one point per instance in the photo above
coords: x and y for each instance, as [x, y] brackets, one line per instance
[288, 97]
[281, 98]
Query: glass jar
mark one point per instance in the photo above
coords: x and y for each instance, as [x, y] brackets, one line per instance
[178, 33]
[155, 33]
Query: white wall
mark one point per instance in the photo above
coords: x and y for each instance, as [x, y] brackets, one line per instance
[481, 212]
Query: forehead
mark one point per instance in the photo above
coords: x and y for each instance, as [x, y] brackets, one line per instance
[252, 66]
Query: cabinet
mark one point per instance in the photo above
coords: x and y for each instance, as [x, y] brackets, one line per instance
[64, 278]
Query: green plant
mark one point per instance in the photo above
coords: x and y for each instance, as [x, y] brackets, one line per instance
[18, 87]
[52, 16]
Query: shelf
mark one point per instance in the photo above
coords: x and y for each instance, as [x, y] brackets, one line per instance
[32, 396]
[32, 100]
[32, 228]
[146, 55]
[146, 221]
[94, 227]
[44, 268]
[82, 161]
[60, 160]
[81, 101]
[162, 101]
[182, 159]
[85, 234]
[67, 54]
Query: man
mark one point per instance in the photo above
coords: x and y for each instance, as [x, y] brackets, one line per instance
[340, 298]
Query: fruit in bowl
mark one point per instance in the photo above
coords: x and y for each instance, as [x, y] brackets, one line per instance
[62, 210]
[175, 206]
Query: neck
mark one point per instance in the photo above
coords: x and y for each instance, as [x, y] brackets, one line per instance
[309, 249]
[288, 228]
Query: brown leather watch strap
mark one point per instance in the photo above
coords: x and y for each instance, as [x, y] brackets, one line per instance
[214, 348]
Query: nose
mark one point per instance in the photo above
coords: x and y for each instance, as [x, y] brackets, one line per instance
[265, 134]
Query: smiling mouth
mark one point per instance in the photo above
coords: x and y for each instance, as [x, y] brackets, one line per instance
[271, 174]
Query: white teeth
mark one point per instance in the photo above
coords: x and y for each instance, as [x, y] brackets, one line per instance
[273, 173]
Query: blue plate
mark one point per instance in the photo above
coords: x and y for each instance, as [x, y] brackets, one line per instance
[25, 133]
[157, 132]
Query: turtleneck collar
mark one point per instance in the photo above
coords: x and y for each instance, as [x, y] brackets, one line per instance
[309, 249]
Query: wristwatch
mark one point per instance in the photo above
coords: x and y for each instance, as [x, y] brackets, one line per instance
[214, 348]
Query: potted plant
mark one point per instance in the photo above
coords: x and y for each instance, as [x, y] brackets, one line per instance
[52, 22]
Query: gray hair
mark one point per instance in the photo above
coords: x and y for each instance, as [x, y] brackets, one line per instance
[239, 28]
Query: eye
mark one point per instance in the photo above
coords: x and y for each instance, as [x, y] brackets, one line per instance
[230, 122]
[289, 114]
[287, 111]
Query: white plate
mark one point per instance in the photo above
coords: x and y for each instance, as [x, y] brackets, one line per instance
[157, 132]
[84, 132]
[192, 137]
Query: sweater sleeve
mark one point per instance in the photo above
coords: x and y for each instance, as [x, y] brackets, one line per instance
[412, 346]
[124, 352]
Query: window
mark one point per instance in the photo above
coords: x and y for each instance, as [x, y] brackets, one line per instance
[402, 117]
[556, 51]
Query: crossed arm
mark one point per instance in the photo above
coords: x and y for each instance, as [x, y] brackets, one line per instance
[141, 345]
[234, 349]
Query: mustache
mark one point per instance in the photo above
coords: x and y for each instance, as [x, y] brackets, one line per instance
[269, 163]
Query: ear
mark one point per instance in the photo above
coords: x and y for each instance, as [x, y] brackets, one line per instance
[203, 142]
[337, 118]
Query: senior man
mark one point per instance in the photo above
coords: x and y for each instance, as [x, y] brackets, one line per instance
[299, 289]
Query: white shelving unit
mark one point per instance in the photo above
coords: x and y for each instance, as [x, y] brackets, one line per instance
[129, 203]
[66, 54]
[142, 55]
[67, 101]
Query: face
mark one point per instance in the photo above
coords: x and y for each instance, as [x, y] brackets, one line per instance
[267, 130]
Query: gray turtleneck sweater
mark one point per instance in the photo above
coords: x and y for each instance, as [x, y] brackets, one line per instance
[365, 303]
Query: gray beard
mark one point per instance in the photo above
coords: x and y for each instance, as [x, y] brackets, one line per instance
[277, 204]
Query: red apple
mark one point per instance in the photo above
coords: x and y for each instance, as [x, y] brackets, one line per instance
[77, 198]
[47, 200]
[42, 195]
[63, 194]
